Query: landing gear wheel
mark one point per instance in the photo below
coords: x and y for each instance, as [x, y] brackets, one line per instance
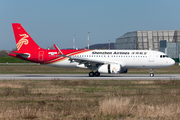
[91, 74]
[97, 74]
[151, 74]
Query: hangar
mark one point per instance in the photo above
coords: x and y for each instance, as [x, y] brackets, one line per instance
[144, 40]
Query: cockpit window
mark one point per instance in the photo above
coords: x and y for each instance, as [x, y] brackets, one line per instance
[163, 56]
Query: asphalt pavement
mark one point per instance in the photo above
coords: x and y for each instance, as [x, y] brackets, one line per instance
[86, 77]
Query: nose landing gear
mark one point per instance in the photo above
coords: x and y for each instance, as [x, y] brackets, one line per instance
[151, 73]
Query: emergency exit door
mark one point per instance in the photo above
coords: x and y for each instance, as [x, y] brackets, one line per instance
[41, 55]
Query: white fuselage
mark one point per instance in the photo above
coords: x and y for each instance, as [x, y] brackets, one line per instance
[126, 58]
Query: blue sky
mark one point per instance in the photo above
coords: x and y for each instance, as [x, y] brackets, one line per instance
[56, 21]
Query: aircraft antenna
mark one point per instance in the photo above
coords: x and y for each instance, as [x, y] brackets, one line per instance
[88, 40]
[73, 41]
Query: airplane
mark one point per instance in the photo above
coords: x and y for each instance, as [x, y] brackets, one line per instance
[100, 61]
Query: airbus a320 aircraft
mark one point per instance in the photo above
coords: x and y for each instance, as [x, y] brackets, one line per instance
[100, 61]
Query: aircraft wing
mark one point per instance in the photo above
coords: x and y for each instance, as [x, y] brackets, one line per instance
[86, 61]
[89, 62]
[83, 60]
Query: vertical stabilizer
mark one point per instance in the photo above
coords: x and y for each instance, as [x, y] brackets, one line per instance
[23, 39]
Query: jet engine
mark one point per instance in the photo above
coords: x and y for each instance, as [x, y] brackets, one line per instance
[109, 68]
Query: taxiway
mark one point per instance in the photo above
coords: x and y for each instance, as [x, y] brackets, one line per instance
[86, 77]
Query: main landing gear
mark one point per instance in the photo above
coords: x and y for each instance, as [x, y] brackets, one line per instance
[151, 73]
[92, 74]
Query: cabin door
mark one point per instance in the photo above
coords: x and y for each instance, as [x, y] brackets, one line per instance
[151, 57]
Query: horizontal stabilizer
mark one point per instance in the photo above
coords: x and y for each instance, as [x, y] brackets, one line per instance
[25, 55]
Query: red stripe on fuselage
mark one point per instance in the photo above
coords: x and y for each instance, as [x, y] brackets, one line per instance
[68, 53]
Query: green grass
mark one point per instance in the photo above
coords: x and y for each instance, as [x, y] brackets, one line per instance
[10, 59]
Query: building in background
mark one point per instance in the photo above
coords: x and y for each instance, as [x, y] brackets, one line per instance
[144, 40]
[172, 49]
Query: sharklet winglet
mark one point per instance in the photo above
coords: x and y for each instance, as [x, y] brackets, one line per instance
[60, 51]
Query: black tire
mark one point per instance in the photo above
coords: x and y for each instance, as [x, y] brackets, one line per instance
[151, 74]
[97, 74]
[91, 74]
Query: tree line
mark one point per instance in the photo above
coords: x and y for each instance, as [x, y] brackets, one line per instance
[4, 53]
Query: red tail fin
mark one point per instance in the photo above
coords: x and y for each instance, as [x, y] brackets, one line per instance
[23, 39]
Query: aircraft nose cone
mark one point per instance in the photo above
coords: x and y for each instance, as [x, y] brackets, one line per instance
[172, 62]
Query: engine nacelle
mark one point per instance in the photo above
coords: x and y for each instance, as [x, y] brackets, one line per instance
[109, 68]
